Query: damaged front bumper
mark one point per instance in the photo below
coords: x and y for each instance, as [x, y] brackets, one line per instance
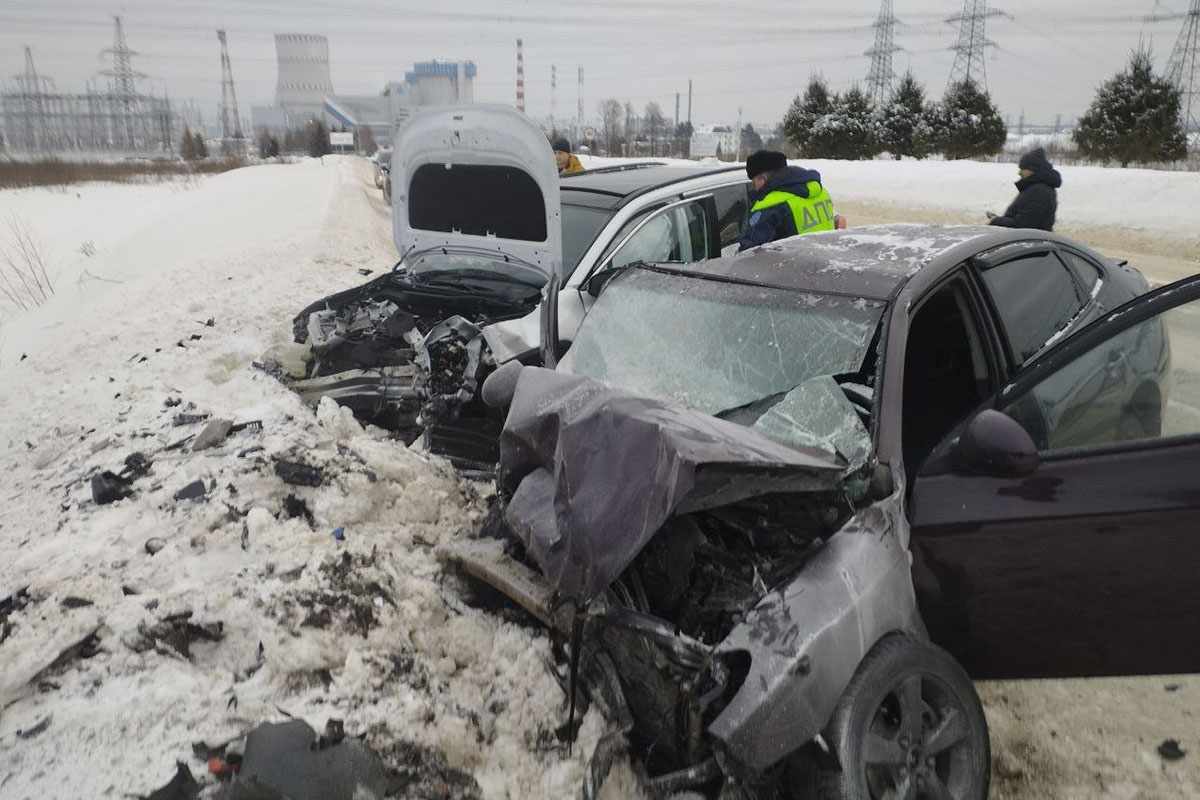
[723, 718]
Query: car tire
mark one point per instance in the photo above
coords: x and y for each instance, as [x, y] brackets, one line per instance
[909, 726]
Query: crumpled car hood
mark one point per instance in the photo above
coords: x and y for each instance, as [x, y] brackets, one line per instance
[595, 471]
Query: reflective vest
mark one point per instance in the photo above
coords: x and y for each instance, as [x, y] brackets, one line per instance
[812, 213]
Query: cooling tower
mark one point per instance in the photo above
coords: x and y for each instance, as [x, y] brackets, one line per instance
[303, 82]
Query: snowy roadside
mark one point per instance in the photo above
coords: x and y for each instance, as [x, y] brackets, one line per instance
[285, 619]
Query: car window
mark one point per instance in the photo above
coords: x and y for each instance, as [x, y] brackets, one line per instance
[1089, 274]
[678, 233]
[1036, 298]
[1140, 384]
[732, 209]
[580, 226]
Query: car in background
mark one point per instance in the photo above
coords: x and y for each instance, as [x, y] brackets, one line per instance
[779, 508]
[482, 220]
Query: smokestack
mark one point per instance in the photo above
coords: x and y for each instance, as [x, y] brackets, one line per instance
[553, 91]
[520, 77]
[580, 120]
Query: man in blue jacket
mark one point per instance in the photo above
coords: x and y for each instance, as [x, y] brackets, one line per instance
[1037, 198]
[786, 200]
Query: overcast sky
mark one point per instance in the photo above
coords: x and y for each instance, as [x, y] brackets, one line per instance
[756, 54]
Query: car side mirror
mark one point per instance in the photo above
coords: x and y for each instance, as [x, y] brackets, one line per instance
[995, 444]
[599, 279]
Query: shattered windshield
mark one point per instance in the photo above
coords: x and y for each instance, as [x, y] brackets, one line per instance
[713, 346]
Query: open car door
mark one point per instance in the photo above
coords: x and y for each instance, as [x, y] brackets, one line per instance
[477, 178]
[1057, 531]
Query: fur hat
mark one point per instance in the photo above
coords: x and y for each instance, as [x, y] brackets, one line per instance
[561, 145]
[765, 161]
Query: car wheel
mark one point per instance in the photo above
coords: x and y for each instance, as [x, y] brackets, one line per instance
[909, 727]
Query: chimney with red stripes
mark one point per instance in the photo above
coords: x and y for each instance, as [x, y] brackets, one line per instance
[520, 78]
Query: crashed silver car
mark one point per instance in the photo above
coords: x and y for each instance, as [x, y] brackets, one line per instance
[738, 502]
[483, 220]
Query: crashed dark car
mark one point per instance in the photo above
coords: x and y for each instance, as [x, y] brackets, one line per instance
[780, 524]
[483, 220]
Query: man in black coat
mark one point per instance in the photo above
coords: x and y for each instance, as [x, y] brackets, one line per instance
[1037, 200]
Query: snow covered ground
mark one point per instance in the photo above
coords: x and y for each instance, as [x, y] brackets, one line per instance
[98, 697]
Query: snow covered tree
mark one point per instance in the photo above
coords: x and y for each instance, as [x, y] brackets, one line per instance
[906, 126]
[968, 124]
[850, 131]
[1135, 117]
[803, 114]
[318, 139]
[751, 141]
[187, 145]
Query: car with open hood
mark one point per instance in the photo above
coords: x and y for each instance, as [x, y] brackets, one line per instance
[779, 511]
[483, 221]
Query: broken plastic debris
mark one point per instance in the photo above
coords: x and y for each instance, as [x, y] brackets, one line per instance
[213, 434]
[193, 491]
[339, 533]
[154, 545]
[108, 487]
[298, 474]
[1171, 751]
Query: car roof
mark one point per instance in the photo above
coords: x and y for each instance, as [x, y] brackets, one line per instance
[872, 262]
[613, 187]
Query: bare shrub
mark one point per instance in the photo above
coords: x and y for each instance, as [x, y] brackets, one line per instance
[53, 172]
[24, 273]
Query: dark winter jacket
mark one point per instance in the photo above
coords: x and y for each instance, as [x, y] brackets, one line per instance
[1037, 200]
[779, 221]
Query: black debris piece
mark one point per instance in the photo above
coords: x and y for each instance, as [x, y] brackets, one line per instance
[128, 591]
[154, 545]
[29, 733]
[181, 344]
[76, 602]
[335, 733]
[295, 507]
[297, 473]
[143, 359]
[14, 602]
[108, 487]
[172, 402]
[136, 465]
[215, 432]
[176, 632]
[208, 323]
[180, 443]
[188, 419]
[258, 448]
[1172, 687]
[251, 425]
[1171, 751]
[195, 337]
[364, 271]
[23, 357]
[181, 787]
[281, 761]
[83, 649]
[193, 491]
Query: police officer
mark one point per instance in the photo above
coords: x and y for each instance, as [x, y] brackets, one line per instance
[787, 200]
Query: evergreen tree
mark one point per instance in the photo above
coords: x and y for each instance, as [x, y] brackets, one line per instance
[907, 129]
[968, 123]
[850, 131]
[187, 145]
[201, 147]
[751, 141]
[1135, 117]
[803, 114]
[318, 139]
[683, 139]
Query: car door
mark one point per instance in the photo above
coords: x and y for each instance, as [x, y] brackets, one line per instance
[1083, 559]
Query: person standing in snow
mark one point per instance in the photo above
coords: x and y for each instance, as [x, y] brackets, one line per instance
[567, 162]
[787, 200]
[1037, 198]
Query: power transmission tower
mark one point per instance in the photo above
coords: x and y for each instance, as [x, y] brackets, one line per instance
[34, 92]
[972, 43]
[880, 76]
[231, 125]
[1183, 67]
[123, 82]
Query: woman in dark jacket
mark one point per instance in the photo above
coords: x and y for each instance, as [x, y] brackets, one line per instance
[1038, 201]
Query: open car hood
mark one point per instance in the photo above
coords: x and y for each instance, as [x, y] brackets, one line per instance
[595, 471]
[481, 177]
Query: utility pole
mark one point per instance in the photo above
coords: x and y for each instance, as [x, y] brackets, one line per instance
[689, 101]
[1021, 124]
[739, 136]
[553, 91]
[231, 125]
[677, 109]
[880, 76]
[972, 43]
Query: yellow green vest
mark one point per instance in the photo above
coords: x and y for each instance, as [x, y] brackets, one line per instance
[812, 213]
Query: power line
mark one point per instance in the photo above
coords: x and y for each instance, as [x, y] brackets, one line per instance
[880, 76]
[972, 43]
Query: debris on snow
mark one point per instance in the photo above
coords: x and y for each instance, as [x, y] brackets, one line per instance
[1171, 751]
[193, 491]
[215, 432]
[298, 473]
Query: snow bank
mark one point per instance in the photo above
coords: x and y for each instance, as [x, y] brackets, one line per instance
[365, 628]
